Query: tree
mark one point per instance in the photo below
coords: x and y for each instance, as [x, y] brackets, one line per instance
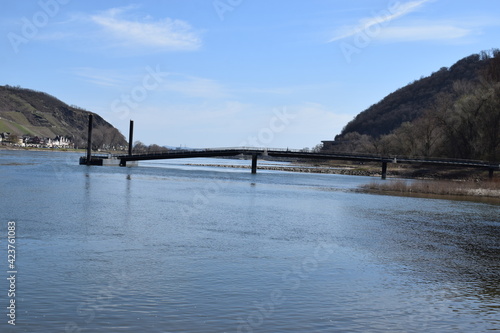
[139, 147]
[429, 134]
[317, 148]
[354, 142]
[13, 138]
[97, 138]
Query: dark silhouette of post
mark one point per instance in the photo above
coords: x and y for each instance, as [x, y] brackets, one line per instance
[384, 170]
[254, 163]
[131, 137]
[89, 140]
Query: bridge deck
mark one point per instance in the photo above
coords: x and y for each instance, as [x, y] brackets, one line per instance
[305, 155]
[286, 153]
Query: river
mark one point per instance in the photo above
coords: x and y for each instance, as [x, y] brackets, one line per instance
[170, 247]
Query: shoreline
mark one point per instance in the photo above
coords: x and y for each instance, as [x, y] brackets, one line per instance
[486, 192]
[340, 170]
[437, 174]
[61, 150]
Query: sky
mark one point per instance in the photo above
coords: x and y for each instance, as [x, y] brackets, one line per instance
[227, 73]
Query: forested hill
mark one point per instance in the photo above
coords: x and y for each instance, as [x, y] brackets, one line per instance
[455, 112]
[38, 114]
[408, 103]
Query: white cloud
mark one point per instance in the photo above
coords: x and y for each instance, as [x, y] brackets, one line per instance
[382, 19]
[165, 35]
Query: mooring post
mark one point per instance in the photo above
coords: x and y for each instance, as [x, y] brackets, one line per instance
[89, 141]
[254, 163]
[130, 137]
[384, 170]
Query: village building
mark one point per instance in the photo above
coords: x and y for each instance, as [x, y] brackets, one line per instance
[36, 142]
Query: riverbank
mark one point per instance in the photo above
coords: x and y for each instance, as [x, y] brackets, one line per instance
[340, 170]
[67, 150]
[461, 190]
[11, 148]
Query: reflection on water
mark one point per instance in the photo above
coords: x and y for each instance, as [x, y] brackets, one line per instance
[173, 248]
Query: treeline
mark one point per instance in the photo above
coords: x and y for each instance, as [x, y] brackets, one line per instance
[104, 138]
[462, 121]
[140, 147]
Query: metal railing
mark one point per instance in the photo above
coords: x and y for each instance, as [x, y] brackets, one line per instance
[340, 155]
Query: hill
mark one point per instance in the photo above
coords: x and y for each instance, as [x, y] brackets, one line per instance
[26, 112]
[455, 112]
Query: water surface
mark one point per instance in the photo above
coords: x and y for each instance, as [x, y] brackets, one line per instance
[167, 247]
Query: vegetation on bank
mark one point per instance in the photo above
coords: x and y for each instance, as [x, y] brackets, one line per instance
[438, 187]
[454, 113]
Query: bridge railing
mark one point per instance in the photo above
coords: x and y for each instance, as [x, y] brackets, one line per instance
[221, 149]
[442, 160]
[263, 150]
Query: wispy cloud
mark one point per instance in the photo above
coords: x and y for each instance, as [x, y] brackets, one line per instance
[165, 35]
[383, 18]
[183, 85]
[101, 77]
[192, 86]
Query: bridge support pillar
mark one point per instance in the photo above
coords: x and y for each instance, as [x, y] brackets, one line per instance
[384, 170]
[131, 137]
[254, 163]
[89, 140]
[490, 173]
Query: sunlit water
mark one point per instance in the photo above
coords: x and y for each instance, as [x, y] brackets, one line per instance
[166, 247]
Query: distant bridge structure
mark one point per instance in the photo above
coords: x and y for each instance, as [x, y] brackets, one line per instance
[131, 159]
[255, 153]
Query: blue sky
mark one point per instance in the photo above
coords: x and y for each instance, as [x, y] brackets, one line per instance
[221, 73]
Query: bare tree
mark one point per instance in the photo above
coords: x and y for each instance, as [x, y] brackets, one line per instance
[139, 147]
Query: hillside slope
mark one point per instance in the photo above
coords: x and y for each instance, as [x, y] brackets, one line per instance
[408, 103]
[34, 113]
[453, 113]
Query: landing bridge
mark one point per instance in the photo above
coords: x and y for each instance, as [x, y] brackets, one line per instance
[124, 160]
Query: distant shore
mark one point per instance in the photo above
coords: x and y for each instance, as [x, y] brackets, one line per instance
[6, 147]
[484, 191]
[339, 170]
[67, 150]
